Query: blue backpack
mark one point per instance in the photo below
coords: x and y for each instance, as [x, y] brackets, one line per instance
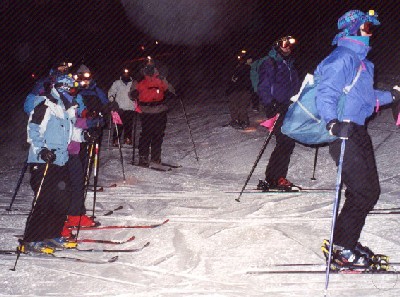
[302, 121]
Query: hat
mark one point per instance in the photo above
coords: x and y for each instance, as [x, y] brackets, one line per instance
[65, 83]
[82, 69]
[351, 21]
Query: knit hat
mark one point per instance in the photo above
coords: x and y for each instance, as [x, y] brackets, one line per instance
[351, 21]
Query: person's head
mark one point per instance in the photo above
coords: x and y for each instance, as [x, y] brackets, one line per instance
[285, 45]
[125, 76]
[61, 67]
[245, 57]
[66, 84]
[149, 70]
[356, 23]
[83, 76]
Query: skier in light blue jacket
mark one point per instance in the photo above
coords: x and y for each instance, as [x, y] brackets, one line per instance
[359, 173]
[51, 128]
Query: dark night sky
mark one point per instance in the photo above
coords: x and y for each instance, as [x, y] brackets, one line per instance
[101, 32]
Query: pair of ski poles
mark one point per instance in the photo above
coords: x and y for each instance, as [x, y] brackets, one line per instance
[187, 124]
[337, 193]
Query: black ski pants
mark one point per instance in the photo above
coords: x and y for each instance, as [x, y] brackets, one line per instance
[77, 178]
[279, 160]
[239, 102]
[152, 135]
[50, 206]
[360, 176]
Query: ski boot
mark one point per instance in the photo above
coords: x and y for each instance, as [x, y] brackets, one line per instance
[279, 185]
[375, 258]
[350, 260]
[61, 243]
[38, 247]
[263, 185]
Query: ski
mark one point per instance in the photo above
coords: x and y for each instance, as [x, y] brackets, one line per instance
[122, 226]
[102, 187]
[308, 271]
[131, 250]
[106, 241]
[98, 189]
[62, 257]
[273, 192]
[171, 165]
[110, 212]
[156, 167]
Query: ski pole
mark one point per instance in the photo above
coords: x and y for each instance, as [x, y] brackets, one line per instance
[95, 172]
[190, 130]
[335, 212]
[315, 163]
[258, 158]
[21, 177]
[120, 153]
[134, 137]
[109, 133]
[34, 201]
[88, 169]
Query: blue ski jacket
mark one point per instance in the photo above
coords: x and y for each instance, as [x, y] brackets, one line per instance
[337, 71]
[279, 80]
[51, 126]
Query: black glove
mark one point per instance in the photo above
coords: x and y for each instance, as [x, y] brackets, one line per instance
[396, 103]
[270, 110]
[47, 155]
[92, 135]
[111, 106]
[343, 130]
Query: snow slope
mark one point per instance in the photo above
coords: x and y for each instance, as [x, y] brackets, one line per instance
[212, 245]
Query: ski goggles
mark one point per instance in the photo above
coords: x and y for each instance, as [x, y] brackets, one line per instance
[286, 42]
[369, 28]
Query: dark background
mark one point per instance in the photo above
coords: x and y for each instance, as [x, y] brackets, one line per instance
[34, 34]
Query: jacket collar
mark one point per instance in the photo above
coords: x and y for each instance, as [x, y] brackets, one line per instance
[356, 45]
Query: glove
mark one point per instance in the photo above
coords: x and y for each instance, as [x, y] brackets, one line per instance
[343, 130]
[92, 135]
[396, 102]
[270, 110]
[47, 155]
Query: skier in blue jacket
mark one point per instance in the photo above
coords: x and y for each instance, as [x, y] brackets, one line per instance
[359, 173]
[278, 82]
[51, 127]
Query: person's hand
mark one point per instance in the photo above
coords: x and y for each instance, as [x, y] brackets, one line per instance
[47, 155]
[270, 110]
[343, 130]
[92, 135]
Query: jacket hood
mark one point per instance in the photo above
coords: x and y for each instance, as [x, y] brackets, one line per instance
[356, 45]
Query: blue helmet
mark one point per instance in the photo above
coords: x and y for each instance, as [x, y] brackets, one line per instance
[350, 22]
[65, 83]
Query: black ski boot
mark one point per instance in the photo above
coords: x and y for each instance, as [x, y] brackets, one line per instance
[375, 258]
[345, 259]
[263, 185]
[352, 260]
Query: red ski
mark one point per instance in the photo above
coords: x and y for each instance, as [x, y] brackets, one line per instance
[121, 227]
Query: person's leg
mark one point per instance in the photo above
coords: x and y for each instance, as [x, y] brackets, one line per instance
[158, 136]
[360, 177]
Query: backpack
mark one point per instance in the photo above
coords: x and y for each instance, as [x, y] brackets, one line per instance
[255, 68]
[302, 121]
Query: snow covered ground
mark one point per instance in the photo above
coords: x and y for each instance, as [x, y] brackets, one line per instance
[211, 244]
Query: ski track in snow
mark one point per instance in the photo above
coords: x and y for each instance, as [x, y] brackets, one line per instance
[211, 241]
